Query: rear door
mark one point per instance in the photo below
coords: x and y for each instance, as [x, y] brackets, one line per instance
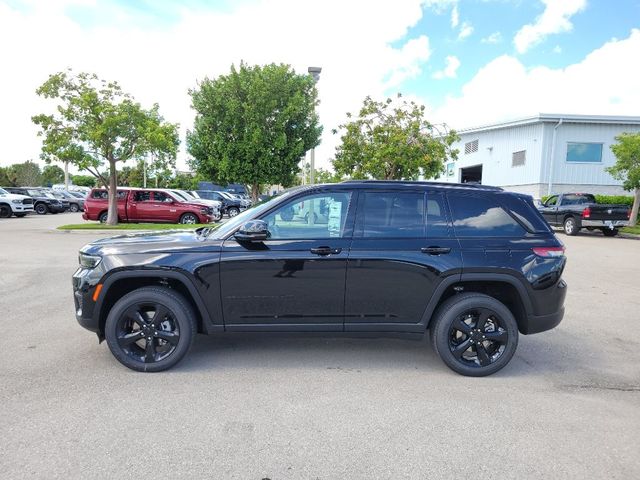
[402, 249]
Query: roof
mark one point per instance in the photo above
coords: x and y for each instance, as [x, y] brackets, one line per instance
[408, 183]
[555, 118]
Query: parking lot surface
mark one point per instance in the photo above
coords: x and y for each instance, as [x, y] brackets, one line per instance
[298, 407]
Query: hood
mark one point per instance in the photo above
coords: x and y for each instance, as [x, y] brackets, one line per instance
[179, 241]
[13, 196]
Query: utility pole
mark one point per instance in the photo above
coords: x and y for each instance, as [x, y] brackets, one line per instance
[315, 72]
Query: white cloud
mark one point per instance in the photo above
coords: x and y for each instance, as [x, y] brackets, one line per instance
[495, 37]
[555, 19]
[455, 16]
[466, 29]
[159, 61]
[557, 49]
[604, 82]
[450, 69]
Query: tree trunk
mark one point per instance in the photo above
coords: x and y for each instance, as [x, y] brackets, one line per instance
[634, 210]
[66, 175]
[112, 219]
[255, 192]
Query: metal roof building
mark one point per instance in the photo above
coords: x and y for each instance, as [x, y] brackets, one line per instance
[547, 153]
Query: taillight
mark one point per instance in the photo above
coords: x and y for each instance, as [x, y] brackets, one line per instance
[548, 252]
[586, 213]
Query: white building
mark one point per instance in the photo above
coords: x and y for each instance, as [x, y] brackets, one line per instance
[542, 154]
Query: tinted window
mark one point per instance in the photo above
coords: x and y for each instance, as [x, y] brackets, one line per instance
[475, 216]
[391, 215]
[162, 197]
[104, 195]
[314, 216]
[437, 222]
[577, 199]
[142, 196]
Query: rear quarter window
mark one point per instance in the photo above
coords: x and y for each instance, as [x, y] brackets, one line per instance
[479, 216]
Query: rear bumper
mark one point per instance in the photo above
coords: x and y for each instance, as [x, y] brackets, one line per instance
[605, 223]
[541, 323]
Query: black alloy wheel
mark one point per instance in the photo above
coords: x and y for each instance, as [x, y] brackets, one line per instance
[41, 209]
[150, 329]
[474, 334]
[5, 211]
[188, 219]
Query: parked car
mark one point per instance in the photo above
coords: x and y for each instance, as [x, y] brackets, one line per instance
[43, 201]
[66, 205]
[230, 205]
[473, 265]
[14, 204]
[76, 204]
[146, 205]
[573, 211]
[188, 197]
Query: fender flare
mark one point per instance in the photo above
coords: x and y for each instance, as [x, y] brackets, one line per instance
[116, 276]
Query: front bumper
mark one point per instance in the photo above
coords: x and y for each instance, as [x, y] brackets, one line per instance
[84, 286]
[17, 208]
[605, 223]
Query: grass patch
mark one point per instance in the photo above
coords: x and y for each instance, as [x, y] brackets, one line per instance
[133, 226]
[634, 230]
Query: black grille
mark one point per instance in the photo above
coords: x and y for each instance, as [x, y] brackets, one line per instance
[27, 201]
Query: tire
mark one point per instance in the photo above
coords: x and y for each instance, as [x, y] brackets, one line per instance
[74, 208]
[458, 349]
[169, 337]
[41, 209]
[315, 217]
[610, 232]
[570, 226]
[5, 211]
[20, 215]
[233, 211]
[102, 218]
[189, 218]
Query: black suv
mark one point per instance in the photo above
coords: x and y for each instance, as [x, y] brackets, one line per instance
[473, 265]
[43, 201]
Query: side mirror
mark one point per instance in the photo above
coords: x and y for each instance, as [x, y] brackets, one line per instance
[252, 231]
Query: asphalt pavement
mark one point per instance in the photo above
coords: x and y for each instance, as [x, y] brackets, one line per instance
[254, 407]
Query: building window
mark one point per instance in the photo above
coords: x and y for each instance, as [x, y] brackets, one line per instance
[450, 169]
[518, 158]
[584, 152]
[471, 147]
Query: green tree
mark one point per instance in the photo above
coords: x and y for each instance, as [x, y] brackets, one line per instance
[392, 140]
[84, 180]
[5, 180]
[96, 124]
[627, 167]
[52, 174]
[253, 125]
[183, 181]
[25, 174]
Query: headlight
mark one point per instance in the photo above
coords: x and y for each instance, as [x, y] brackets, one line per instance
[16, 201]
[89, 261]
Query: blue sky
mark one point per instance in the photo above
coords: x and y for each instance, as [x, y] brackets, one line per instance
[469, 61]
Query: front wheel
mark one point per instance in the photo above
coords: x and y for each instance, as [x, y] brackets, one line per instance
[150, 329]
[233, 211]
[74, 208]
[570, 226]
[474, 334]
[41, 209]
[608, 232]
[5, 211]
[188, 219]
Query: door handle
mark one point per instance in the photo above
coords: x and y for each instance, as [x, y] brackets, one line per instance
[435, 250]
[324, 251]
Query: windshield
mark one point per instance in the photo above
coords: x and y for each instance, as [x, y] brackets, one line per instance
[77, 194]
[181, 197]
[187, 195]
[226, 228]
[225, 195]
[3, 191]
[34, 193]
[195, 194]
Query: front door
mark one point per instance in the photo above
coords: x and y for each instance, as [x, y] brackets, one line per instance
[295, 280]
[550, 210]
[402, 249]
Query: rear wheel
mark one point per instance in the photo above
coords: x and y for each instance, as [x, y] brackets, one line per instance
[570, 226]
[41, 209]
[608, 232]
[474, 334]
[150, 329]
[188, 218]
[5, 211]
[102, 218]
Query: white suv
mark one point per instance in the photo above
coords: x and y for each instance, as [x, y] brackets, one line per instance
[13, 204]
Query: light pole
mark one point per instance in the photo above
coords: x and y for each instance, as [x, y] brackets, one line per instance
[315, 72]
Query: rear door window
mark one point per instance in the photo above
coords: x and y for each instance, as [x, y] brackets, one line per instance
[478, 216]
[437, 216]
[391, 215]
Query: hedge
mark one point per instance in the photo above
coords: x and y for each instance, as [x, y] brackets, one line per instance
[610, 199]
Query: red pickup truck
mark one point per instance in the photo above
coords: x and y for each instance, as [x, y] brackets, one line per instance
[146, 205]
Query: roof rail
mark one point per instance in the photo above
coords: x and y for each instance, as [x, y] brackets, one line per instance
[477, 186]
